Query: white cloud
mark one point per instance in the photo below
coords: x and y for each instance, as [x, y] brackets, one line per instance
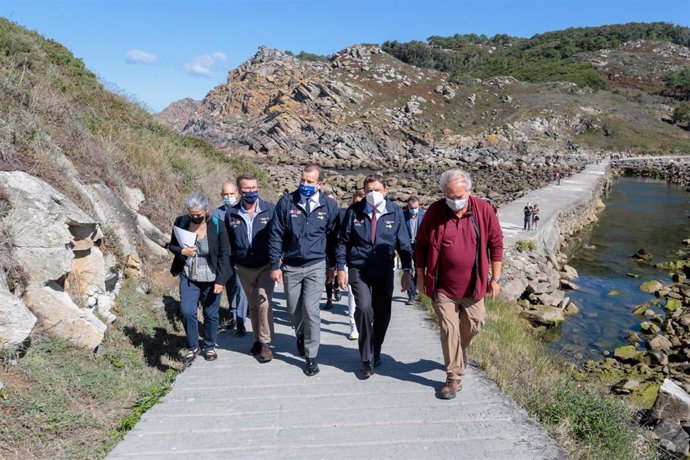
[140, 57]
[204, 64]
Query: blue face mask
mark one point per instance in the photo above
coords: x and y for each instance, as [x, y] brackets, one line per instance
[414, 211]
[250, 197]
[307, 190]
[230, 201]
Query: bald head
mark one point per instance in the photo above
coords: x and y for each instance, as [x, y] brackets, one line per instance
[229, 194]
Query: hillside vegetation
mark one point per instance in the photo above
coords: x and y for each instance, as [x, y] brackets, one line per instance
[550, 56]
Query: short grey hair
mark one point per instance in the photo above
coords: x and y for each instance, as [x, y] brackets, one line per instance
[455, 174]
[197, 200]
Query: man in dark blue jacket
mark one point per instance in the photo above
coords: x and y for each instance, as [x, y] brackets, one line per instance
[303, 234]
[371, 232]
[248, 225]
[413, 218]
[237, 300]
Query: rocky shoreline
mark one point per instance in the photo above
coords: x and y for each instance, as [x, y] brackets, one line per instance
[654, 368]
[674, 170]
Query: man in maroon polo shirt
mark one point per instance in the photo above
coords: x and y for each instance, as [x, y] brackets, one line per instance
[457, 243]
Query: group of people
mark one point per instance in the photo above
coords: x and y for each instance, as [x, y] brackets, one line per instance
[531, 212]
[452, 253]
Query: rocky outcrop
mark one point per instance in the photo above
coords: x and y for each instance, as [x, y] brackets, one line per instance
[16, 321]
[365, 110]
[59, 315]
[44, 225]
[58, 248]
[177, 114]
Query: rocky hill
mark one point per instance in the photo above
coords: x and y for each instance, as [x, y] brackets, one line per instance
[366, 110]
[177, 114]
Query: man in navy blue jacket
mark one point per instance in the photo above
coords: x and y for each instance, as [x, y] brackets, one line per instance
[303, 234]
[371, 232]
[237, 300]
[413, 218]
[248, 225]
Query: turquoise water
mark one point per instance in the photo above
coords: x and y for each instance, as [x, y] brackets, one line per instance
[639, 213]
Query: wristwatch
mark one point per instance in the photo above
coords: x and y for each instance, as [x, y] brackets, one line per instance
[496, 280]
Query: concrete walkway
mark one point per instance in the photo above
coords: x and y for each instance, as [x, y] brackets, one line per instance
[551, 199]
[236, 407]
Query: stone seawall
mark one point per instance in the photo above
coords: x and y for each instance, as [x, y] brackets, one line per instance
[533, 269]
[675, 170]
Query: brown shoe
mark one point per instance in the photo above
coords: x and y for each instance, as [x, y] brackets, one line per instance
[450, 389]
[266, 354]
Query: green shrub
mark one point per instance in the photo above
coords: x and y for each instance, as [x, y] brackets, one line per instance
[525, 245]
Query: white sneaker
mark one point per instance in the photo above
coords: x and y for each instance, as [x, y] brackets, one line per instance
[354, 335]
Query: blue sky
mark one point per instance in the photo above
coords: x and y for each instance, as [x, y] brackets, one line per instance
[161, 51]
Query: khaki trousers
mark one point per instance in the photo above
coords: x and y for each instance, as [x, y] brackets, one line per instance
[258, 287]
[460, 320]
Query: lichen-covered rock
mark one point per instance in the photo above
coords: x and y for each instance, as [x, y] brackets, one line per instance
[626, 353]
[650, 287]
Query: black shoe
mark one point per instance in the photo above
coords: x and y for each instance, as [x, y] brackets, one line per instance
[311, 368]
[256, 348]
[337, 295]
[329, 305]
[367, 369]
[230, 325]
[241, 329]
[300, 345]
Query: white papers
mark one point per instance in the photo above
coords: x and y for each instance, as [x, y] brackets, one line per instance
[184, 237]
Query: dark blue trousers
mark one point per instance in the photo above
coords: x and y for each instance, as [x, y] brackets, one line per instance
[191, 294]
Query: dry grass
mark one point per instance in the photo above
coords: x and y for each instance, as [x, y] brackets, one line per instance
[585, 420]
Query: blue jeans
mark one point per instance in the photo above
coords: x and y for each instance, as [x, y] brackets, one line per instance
[191, 293]
[237, 300]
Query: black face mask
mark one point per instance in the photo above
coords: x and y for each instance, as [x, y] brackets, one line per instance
[197, 219]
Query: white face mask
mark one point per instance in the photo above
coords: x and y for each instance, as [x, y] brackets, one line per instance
[375, 198]
[456, 205]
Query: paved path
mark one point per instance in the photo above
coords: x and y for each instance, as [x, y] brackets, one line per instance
[236, 407]
[551, 199]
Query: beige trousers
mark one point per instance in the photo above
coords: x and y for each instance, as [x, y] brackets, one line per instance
[460, 320]
[258, 287]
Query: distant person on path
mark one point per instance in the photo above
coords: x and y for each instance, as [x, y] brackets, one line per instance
[458, 243]
[535, 216]
[237, 301]
[303, 234]
[557, 177]
[248, 224]
[527, 211]
[413, 217]
[203, 270]
[372, 231]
